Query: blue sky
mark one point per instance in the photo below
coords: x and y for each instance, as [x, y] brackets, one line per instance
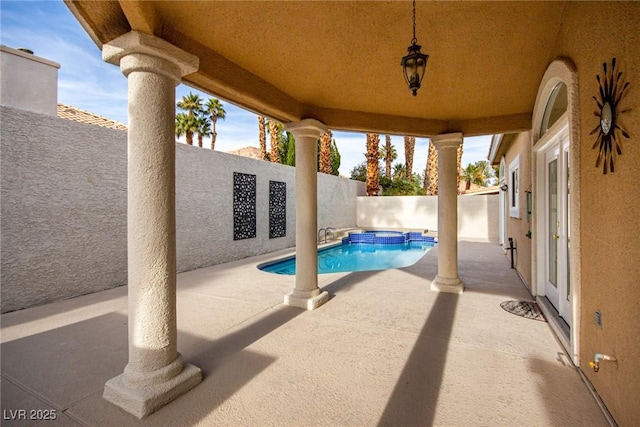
[84, 81]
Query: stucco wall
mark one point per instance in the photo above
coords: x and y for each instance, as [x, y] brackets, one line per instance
[517, 227]
[63, 208]
[204, 215]
[593, 33]
[477, 214]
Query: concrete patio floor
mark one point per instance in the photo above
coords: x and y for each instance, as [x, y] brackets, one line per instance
[385, 350]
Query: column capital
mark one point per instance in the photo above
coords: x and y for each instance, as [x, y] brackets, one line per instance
[307, 128]
[149, 53]
[447, 140]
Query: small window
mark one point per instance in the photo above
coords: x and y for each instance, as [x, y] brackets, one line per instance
[514, 188]
[556, 106]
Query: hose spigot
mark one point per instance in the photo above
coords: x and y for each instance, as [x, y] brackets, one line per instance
[599, 357]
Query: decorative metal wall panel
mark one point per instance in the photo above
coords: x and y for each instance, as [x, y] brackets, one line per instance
[277, 209]
[244, 206]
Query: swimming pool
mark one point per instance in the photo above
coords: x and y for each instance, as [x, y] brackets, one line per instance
[357, 257]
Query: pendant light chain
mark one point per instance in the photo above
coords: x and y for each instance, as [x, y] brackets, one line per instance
[414, 40]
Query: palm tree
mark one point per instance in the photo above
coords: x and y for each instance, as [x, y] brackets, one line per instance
[431, 176]
[262, 137]
[372, 155]
[459, 165]
[409, 146]
[473, 174]
[203, 129]
[389, 154]
[399, 171]
[273, 136]
[192, 104]
[186, 125]
[215, 109]
[325, 153]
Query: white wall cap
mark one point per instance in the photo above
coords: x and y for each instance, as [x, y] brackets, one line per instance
[28, 56]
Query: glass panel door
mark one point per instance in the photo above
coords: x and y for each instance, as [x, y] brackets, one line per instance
[552, 226]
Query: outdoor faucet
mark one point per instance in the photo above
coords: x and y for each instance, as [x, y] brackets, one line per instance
[599, 357]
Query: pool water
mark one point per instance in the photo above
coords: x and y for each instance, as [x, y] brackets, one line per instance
[357, 257]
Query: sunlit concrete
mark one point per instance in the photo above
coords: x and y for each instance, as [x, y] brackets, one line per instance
[384, 351]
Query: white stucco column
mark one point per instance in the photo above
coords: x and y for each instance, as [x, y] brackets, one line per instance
[155, 373]
[306, 293]
[447, 279]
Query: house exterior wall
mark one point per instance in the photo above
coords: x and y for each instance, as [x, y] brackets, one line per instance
[593, 33]
[28, 82]
[64, 208]
[477, 214]
[517, 227]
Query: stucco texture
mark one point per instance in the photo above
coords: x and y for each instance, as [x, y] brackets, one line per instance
[517, 228]
[64, 208]
[610, 204]
[64, 201]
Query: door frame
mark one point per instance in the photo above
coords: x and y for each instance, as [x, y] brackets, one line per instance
[554, 144]
[560, 70]
[502, 180]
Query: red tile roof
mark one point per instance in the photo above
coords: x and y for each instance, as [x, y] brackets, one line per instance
[71, 113]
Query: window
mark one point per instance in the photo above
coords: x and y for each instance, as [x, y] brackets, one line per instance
[555, 108]
[514, 188]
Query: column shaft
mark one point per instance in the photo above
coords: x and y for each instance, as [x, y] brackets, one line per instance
[306, 218]
[447, 279]
[155, 373]
[151, 224]
[306, 293]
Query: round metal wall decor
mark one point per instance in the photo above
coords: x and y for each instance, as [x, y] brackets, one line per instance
[609, 131]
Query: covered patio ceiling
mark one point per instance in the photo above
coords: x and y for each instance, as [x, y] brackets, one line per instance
[339, 61]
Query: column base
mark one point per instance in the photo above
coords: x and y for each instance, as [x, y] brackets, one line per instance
[144, 401]
[452, 286]
[308, 303]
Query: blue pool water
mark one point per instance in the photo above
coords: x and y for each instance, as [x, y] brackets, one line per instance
[357, 257]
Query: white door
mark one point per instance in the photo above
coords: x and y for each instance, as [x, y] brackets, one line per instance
[555, 236]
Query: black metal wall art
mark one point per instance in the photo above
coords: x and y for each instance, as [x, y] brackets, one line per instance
[277, 209]
[609, 130]
[244, 206]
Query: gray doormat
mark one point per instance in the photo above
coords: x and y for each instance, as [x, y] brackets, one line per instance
[526, 309]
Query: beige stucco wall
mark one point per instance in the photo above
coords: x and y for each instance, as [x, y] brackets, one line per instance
[517, 227]
[477, 214]
[610, 204]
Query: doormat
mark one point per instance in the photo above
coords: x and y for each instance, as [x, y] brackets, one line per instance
[526, 309]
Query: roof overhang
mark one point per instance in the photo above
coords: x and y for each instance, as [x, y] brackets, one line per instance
[339, 62]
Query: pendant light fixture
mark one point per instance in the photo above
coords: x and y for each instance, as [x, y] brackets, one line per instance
[415, 63]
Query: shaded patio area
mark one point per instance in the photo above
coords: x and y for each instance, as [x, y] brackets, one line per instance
[385, 350]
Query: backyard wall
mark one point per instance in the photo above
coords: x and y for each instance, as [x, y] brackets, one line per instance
[63, 208]
[477, 214]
